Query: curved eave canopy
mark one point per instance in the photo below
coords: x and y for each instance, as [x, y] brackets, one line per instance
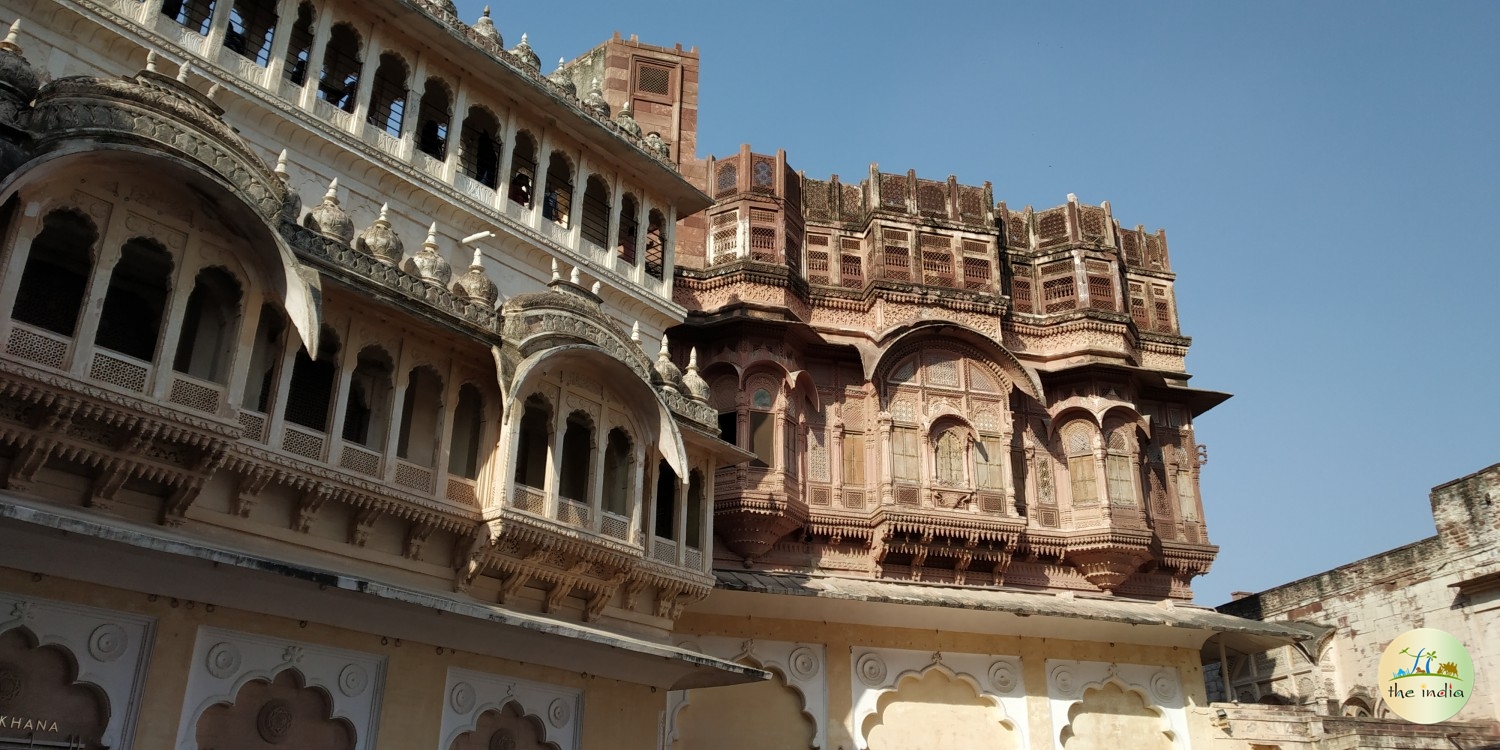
[72, 543]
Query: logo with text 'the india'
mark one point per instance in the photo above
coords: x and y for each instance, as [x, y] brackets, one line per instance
[1426, 676]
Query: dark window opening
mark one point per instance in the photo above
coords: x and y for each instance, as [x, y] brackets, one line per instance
[421, 413]
[367, 408]
[762, 439]
[557, 199]
[480, 152]
[135, 300]
[523, 170]
[655, 245]
[299, 45]
[388, 95]
[666, 502]
[468, 431]
[339, 82]
[729, 427]
[577, 455]
[531, 444]
[694, 510]
[617, 464]
[595, 224]
[260, 380]
[192, 14]
[630, 224]
[252, 24]
[56, 276]
[207, 341]
[311, 390]
[434, 115]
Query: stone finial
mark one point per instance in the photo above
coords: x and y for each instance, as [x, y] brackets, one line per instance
[658, 147]
[692, 382]
[635, 332]
[555, 275]
[563, 80]
[485, 28]
[595, 100]
[474, 285]
[151, 60]
[281, 166]
[214, 90]
[667, 373]
[526, 54]
[596, 287]
[428, 264]
[573, 275]
[184, 73]
[328, 219]
[1072, 198]
[12, 43]
[627, 122]
[380, 240]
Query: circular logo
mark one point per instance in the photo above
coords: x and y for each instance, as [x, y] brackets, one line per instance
[1426, 676]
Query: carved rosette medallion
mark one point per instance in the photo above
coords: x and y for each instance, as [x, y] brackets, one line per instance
[871, 670]
[803, 663]
[559, 712]
[12, 682]
[353, 680]
[461, 698]
[274, 722]
[108, 642]
[223, 660]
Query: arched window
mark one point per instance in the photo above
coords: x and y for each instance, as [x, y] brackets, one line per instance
[367, 406]
[531, 443]
[57, 273]
[311, 390]
[468, 432]
[694, 510]
[523, 170]
[1119, 465]
[207, 341]
[595, 224]
[135, 300]
[630, 224]
[762, 429]
[192, 14]
[557, 199]
[949, 458]
[577, 457]
[388, 94]
[434, 115]
[339, 82]
[666, 502]
[299, 44]
[421, 413]
[481, 147]
[656, 244]
[617, 464]
[260, 379]
[252, 24]
[1078, 439]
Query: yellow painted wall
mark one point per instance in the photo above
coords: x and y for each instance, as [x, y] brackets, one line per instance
[616, 714]
[941, 718]
[745, 717]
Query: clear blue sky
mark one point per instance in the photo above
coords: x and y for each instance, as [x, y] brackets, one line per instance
[1328, 175]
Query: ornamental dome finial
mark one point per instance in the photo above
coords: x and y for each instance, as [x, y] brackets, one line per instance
[563, 80]
[555, 275]
[428, 264]
[527, 55]
[573, 275]
[595, 101]
[635, 332]
[657, 147]
[668, 373]
[328, 219]
[627, 122]
[692, 382]
[380, 240]
[19, 81]
[485, 28]
[474, 285]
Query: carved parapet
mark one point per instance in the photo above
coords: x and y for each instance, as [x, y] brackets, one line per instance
[567, 313]
[367, 271]
[158, 112]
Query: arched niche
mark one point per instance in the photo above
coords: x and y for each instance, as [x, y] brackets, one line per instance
[935, 708]
[279, 711]
[484, 711]
[505, 728]
[1111, 712]
[882, 359]
[43, 699]
[967, 700]
[764, 714]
